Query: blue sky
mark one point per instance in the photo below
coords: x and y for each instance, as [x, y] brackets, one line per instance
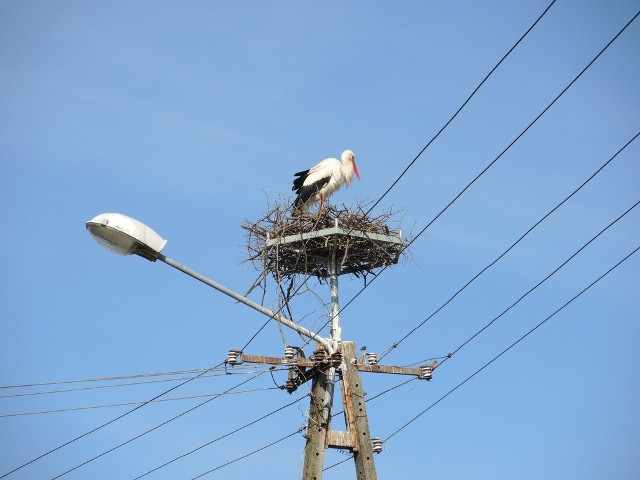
[192, 116]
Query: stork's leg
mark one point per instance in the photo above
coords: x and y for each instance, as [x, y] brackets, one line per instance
[321, 202]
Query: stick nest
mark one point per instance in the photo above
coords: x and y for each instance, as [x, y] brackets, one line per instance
[284, 244]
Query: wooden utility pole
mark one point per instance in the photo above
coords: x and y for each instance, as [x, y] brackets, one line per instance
[317, 428]
[356, 415]
[356, 438]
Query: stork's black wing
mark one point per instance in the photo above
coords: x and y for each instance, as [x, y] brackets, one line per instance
[305, 192]
[298, 182]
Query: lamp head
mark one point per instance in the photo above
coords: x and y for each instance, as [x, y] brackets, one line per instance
[125, 235]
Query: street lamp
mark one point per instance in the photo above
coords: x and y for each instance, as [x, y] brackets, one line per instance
[125, 236]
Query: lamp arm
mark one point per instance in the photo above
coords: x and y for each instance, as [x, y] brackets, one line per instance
[250, 303]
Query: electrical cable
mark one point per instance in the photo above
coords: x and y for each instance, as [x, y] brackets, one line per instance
[546, 278]
[448, 205]
[401, 384]
[220, 438]
[443, 128]
[133, 410]
[511, 247]
[136, 408]
[117, 418]
[486, 168]
[124, 415]
[445, 358]
[433, 139]
[126, 404]
[405, 425]
[338, 463]
[462, 106]
[495, 357]
[106, 379]
[275, 442]
[522, 297]
[423, 362]
[105, 424]
[367, 401]
[466, 342]
[253, 452]
[99, 387]
[154, 428]
[129, 384]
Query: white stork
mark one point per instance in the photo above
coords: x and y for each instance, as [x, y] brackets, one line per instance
[318, 183]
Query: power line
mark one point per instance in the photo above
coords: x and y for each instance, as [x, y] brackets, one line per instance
[394, 433]
[495, 159]
[511, 346]
[495, 67]
[543, 280]
[423, 361]
[253, 452]
[390, 389]
[511, 247]
[425, 148]
[136, 408]
[276, 441]
[105, 424]
[477, 88]
[126, 404]
[126, 414]
[99, 387]
[338, 463]
[168, 390]
[129, 384]
[513, 47]
[246, 425]
[367, 401]
[445, 358]
[107, 379]
[153, 428]
[462, 106]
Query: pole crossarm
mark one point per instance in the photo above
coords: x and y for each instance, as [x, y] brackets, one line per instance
[418, 372]
[301, 369]
[300, 362]
[423, 372]
[304, 369]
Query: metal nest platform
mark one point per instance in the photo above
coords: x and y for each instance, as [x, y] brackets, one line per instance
[305, 244]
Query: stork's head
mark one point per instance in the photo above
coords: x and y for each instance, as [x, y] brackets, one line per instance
[349, 158]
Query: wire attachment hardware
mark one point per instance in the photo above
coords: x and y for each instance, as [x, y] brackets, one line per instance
[371, 357]
[234, 357]
[319, 356]
[426, 372]
[336, 359]
[376, 444]
[289, 353]
[290, 385]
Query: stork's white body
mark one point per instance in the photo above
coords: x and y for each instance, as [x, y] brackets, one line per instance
[320, 182]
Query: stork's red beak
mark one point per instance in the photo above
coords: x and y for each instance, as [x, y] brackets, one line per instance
[355, 170]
